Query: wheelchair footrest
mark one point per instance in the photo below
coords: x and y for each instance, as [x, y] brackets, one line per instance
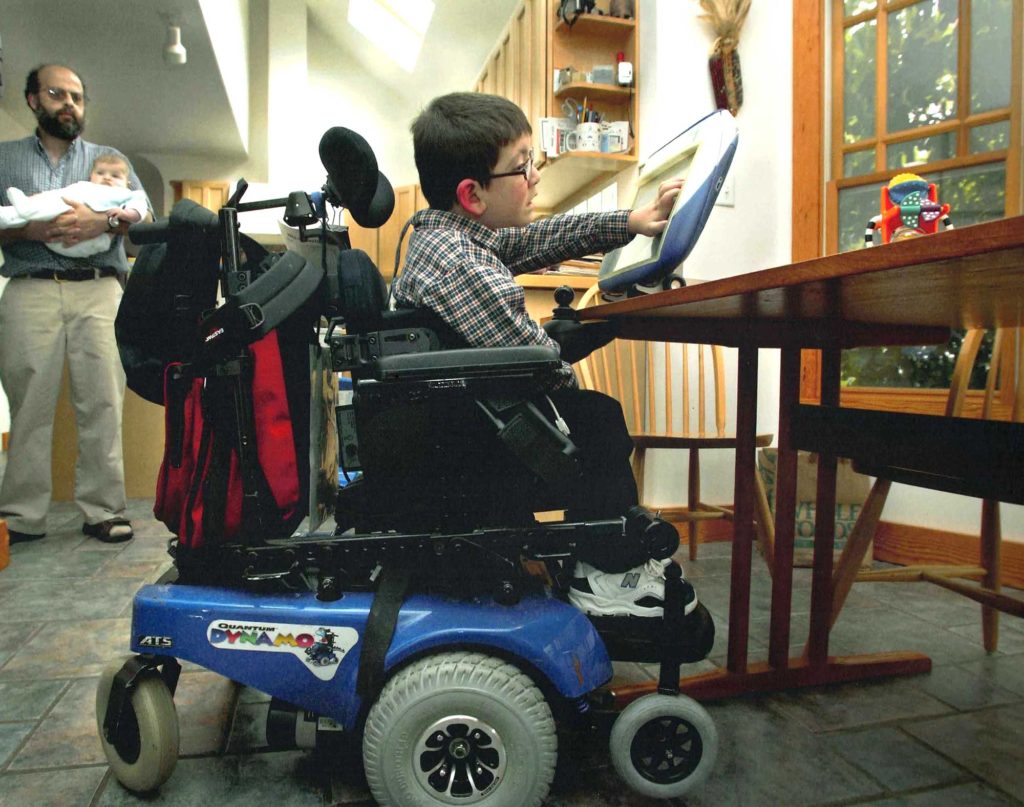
[644, 639]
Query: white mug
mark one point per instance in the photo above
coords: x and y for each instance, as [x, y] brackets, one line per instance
[585, 137]
[552, 134]
[615, 137]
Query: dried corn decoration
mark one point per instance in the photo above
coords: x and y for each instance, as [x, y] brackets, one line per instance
[726, 18]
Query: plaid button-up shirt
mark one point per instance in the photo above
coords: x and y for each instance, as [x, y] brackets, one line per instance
[25, 165]
[463, 271]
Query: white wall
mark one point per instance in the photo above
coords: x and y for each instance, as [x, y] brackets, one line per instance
[227, 22]
[347, 96]
[675, 91]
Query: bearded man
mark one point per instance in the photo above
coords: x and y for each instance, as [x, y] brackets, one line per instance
[55, 307]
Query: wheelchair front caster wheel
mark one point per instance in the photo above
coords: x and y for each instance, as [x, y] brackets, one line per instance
[143, 752]
[663, 746]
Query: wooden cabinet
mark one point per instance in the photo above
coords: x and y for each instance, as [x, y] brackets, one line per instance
[592, 40]
[518, 67]
[209, 194]
[536, 43]
[380, 243]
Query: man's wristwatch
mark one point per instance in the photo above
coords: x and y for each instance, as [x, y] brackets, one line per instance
[112, 223]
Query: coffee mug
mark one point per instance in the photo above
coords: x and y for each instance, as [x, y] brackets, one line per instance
[614, 137]
[585, 137]
[552, 134]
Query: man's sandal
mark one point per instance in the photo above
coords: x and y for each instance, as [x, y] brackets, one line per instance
[111, 531]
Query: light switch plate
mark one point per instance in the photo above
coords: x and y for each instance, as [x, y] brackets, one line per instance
[727, 195]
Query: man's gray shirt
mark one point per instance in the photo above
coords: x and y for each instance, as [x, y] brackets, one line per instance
[25, 165]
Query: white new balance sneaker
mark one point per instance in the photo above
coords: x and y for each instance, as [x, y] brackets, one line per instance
[638, 592]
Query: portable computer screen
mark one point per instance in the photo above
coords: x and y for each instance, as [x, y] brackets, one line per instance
[701, 155]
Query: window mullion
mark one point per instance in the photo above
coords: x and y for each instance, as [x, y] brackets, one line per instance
[881, 81]
[963, 87]
[897, 5]
[1014, 191]
[936, 167]
[838, 91]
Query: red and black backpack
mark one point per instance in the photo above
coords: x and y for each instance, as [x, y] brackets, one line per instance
[234, 381]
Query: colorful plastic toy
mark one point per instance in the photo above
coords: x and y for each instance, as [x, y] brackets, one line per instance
[910, 207]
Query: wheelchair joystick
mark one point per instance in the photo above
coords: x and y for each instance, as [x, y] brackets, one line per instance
[564, 310]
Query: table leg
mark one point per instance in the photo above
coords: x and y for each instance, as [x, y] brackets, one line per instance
[785, 513]
[780, 672]
[743, 504]
[824, 524]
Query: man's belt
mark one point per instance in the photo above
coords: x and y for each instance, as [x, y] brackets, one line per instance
[73, 275]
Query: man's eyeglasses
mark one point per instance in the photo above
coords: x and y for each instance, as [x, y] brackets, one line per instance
[523, 170]
[60, 95]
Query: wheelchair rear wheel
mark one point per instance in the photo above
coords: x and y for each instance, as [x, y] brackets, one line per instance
[144, 752]
[460, 728]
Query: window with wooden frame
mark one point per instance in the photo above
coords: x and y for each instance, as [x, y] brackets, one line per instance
[930, 87]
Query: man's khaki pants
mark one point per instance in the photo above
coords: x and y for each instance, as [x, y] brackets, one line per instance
[41, 321]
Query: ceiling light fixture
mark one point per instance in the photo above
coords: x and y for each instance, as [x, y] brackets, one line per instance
[174, 51]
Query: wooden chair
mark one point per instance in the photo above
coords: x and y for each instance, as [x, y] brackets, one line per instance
[1003, 399]
[666, 395]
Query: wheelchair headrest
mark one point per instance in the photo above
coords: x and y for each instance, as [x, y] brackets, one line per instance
[361, 290]
[353, 179]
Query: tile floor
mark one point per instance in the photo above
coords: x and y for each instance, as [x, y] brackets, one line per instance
[955, 736]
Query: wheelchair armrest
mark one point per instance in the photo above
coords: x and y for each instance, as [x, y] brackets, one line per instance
[579, 339]
[479, 362]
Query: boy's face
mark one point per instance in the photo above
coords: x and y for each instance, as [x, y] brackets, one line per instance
[113, 174]
[509, 199]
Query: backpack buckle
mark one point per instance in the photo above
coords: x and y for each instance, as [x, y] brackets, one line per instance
[253, 314]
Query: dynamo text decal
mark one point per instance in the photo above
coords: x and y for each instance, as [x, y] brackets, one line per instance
[319, 647]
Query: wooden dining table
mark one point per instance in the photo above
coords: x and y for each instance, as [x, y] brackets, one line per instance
[912, 292]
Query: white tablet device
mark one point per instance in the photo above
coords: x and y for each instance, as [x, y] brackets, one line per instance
[701, 155]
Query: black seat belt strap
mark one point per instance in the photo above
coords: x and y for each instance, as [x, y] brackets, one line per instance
[380, 628]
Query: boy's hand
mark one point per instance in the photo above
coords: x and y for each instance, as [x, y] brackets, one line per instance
[652, 218]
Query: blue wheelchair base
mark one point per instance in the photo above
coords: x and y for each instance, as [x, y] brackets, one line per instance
[306, 652]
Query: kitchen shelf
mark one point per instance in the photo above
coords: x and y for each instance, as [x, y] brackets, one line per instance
[597, 24]
[576, 171]
[602, 93]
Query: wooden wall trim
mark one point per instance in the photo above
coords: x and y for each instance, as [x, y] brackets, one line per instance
[902, 544]
[808, 128]
[907, 545]
[808, 182]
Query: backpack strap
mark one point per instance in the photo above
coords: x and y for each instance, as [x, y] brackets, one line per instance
[264, 304]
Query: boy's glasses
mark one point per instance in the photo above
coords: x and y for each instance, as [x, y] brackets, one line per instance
[60, 95]
[523, 170]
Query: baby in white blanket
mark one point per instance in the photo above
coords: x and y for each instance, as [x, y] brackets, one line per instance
[105, 192]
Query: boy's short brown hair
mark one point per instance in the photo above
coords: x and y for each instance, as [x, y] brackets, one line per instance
[459, 136]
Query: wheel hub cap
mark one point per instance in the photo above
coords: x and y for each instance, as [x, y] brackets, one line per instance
[460, 759]
[666, 750]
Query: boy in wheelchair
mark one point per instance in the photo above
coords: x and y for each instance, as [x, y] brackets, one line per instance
[473, 154]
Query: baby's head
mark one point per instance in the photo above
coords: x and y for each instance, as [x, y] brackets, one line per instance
[109, 169]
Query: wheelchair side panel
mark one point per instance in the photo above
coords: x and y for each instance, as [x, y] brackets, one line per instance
[306, 652]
